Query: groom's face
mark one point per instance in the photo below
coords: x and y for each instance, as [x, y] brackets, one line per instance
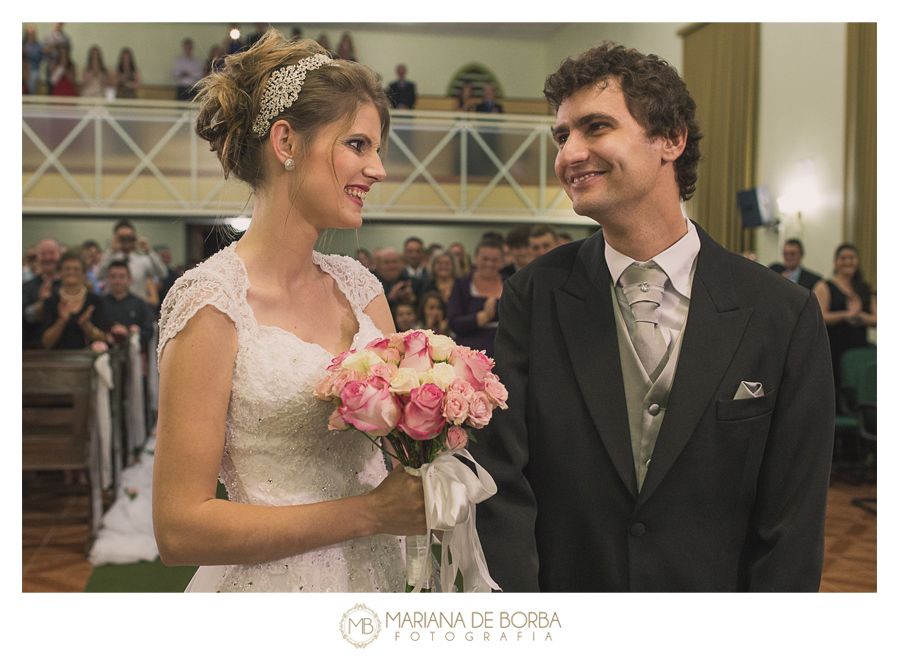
[606, 162]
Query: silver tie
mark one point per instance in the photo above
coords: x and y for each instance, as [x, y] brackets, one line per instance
[644, 289]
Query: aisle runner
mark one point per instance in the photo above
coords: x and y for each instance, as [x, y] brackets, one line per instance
[126, 533]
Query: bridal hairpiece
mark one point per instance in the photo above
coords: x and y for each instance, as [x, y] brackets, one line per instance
[282, 90]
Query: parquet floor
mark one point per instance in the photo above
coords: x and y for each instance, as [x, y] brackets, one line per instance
[53, 555]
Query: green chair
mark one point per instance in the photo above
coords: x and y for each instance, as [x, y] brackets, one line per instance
[846, 424]
[867, 417]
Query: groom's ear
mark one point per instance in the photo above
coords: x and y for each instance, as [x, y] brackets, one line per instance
[673, 144]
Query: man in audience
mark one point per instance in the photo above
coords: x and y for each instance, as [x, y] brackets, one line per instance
[187, 72]
[541, 240]
[489, 103]
[793, 256]
[402, 92]
[36, 291]
[143, 263]
[398, 287]
[91, 255]
[414, 257]
[519, 249]
[166, 282]
[123, 309]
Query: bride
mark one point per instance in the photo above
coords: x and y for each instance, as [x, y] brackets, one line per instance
[246, 336]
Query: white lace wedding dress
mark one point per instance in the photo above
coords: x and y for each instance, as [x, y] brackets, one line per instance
[277, 448]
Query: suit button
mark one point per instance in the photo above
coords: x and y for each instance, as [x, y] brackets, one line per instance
[653, 409]
[637, 530]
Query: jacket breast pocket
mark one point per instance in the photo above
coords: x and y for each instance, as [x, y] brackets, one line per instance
[746, 408]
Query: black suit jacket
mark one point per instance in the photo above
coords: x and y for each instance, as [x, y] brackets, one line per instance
[734, 498]
[402, 94]
[808, 279]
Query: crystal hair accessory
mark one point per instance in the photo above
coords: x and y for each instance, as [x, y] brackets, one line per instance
[283, 88]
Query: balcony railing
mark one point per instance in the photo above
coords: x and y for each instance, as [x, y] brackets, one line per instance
[84, 157]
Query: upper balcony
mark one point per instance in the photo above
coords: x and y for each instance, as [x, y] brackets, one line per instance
[84, 157]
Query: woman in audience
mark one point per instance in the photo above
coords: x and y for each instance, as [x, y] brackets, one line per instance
[95, 78]
[472, 310]
[433, 313]
[62, 77]
[346, 49]
[464, 101]
[405, 317]
[848, 306]
[246, 336]
[32, 54]
[73, 317]
[464, 265]
[127, 76]
[442, 273]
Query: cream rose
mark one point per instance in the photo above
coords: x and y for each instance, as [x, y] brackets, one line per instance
[441, 347]
[404, 381]
[361, 361]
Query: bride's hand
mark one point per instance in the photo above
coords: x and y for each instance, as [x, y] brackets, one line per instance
[398, 504]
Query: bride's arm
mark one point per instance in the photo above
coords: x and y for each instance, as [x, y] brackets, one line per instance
[192, 526]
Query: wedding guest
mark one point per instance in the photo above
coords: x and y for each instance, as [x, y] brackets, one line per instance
[848, 305]
[489, 102]
[52, 46]
[414, 258]
[472, 308]
[187, 71]
[390, 272]
[542, 239]
[216, 59]
[465, 100]
[127, 77]
[364, 256]
[443, 273]
[405, 316]
[401, 91]
[32, 55]
[346, 49]
[73, 317]
[463, 262]
[38, 290]
[95, 77]
[63, 76]
[519, 249]
[143, 262]
[793, 253]
[91, 254]
[433, 313]
[125, 310]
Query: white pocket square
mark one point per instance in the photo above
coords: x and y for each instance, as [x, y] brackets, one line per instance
[749, 390]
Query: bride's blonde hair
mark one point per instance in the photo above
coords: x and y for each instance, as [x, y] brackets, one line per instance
[230, 98]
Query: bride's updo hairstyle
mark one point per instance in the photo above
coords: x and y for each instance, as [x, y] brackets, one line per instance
[230, 100]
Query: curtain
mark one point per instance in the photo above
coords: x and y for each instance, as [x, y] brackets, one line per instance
[721, 70]
[861, 166]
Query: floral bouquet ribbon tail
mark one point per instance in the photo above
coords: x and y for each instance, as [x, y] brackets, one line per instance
[451, 492]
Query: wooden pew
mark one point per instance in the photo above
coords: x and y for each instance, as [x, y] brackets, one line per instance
[57, 395]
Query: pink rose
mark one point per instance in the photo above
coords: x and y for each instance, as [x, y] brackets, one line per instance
[416, 352]
[335, 422]
[457, 438]
[462, 387]
[378, 345]
[456, 407]
[422, 417]
[495, 390]
[323, 390]
[472, 366]
[338, 360]
[480, 410]
[370, 407]
[384, 370]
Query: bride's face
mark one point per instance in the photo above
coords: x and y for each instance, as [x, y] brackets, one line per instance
[340, 169]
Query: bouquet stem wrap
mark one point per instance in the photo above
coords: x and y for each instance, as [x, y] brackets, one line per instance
[451, 492]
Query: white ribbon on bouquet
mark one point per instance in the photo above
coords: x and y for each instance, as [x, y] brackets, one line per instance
[451, 492]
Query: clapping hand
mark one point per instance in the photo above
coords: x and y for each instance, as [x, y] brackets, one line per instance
[84, 320]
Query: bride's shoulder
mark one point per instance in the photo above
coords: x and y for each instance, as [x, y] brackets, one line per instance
[354, 279]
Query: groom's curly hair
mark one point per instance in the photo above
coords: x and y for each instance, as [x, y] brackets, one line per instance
[655, 95]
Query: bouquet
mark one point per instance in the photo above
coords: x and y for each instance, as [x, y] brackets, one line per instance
[420, 392]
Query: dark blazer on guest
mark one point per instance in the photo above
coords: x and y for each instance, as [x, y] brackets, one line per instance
[734, 497]
[808, 279]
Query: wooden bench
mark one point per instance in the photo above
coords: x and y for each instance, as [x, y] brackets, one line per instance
[57, 394]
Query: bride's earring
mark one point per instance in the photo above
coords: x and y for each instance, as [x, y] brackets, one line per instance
[289, 164]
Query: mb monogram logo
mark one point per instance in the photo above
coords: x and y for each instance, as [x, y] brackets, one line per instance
[360, 626]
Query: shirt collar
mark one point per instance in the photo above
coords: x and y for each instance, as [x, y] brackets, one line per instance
[677, 261]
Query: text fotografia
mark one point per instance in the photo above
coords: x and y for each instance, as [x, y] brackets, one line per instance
[477, 626]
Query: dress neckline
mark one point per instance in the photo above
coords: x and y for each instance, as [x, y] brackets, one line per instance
[322, 263]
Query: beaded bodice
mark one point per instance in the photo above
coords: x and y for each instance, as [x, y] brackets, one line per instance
[277, 448]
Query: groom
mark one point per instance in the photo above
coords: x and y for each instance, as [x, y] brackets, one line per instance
[671, 403]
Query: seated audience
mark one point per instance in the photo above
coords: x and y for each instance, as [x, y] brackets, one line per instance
[125, 310]
[73, 317]
[472, 309]
[848, 307]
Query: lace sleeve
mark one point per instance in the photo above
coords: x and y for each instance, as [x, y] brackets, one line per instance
[357, 283]
[196, 289]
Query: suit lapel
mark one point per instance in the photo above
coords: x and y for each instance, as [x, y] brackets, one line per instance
[587, 322]
[713, 331]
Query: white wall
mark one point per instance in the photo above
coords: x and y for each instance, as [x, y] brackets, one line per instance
[657, 38]
[801, 132]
